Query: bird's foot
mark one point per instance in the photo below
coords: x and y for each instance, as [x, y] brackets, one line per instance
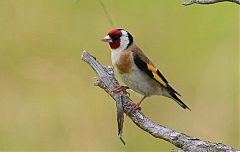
[134, 107]
[121, 88]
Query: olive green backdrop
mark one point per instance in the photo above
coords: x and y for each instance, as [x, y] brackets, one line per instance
[47, 97]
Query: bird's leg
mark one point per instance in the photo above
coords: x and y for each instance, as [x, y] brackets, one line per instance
[135, 106]
[120, 88]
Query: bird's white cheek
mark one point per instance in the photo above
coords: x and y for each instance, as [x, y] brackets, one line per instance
[115, 56]
[123, 45]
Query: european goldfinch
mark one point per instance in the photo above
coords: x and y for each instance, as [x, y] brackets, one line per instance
[136, 70]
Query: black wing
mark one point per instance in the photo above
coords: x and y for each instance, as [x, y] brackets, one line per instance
[152, 72]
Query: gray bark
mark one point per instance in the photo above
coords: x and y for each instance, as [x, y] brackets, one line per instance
[107, 81]
[209, 2]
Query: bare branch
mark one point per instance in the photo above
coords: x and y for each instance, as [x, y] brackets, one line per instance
[209, 2]
[108, 82]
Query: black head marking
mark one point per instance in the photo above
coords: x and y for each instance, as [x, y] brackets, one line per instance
[130, 39]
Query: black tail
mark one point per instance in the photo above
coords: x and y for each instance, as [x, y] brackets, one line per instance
[179, 101]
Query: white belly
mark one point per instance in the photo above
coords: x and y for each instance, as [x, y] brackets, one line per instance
[141, 83]
[137, 80]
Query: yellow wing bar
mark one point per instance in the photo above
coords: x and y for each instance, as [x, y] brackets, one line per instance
[155, 74]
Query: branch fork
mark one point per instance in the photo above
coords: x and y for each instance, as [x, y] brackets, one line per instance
[107, 81]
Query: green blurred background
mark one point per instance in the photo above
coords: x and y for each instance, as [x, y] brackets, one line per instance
[47, 97]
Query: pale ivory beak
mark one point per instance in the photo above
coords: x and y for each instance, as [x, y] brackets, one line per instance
[107, 39]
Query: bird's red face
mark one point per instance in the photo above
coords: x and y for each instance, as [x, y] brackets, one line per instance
[113, 38]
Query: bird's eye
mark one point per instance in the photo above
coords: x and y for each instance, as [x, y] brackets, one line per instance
[115, 36]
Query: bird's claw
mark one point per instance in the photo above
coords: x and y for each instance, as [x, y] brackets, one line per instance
[121, 88]
[133, 107]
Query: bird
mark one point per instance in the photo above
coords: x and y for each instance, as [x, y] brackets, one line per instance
[136, 70]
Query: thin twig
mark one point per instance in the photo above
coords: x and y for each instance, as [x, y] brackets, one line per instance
[180, 140]
[209, 2]
[107, 14]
